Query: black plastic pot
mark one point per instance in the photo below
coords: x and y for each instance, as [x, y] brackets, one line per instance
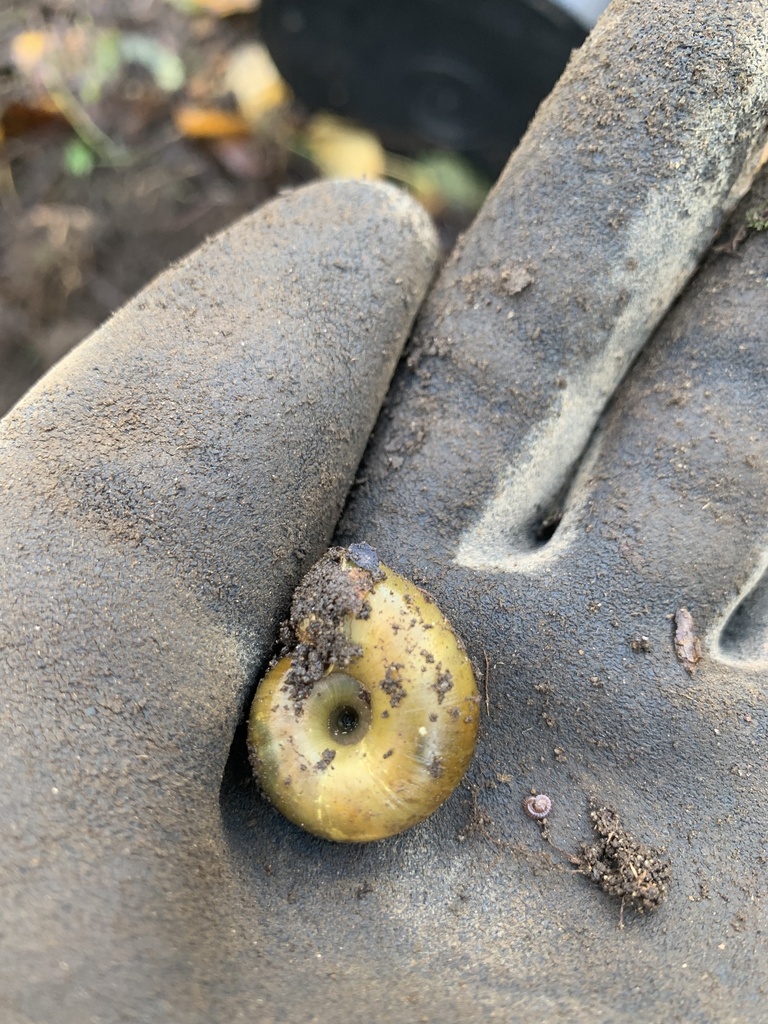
[452, 74]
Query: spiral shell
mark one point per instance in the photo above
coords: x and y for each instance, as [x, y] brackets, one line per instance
[369, 722]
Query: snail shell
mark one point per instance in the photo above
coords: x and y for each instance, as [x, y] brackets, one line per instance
[368, 724]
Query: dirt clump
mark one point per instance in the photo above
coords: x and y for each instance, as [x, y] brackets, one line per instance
[622, 865]
[334, 589]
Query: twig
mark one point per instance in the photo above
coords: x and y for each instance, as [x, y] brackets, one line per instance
[82, 123]
[487, 673]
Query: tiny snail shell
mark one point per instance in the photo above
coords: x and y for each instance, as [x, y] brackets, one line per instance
[368, 721]
[538, 807]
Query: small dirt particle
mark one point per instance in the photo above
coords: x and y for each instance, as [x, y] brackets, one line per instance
[515, 278]
[392, 686]
[443, 684]
[326, 758]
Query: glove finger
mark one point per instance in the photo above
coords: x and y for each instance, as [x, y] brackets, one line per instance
[163, 489]
[601, 684]
[597, 222]
[682, 484]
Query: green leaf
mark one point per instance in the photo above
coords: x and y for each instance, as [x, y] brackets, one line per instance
[440, 181]
[162, 63]
[103, 66]
[456, 180]
[757, 218]
[79, 161]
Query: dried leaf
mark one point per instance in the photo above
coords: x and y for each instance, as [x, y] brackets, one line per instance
[341, 150]
[28, 49]
[209, 122]
[20, 118]
[687, 644]
[255, 82]
[223, 8]
[64, 55]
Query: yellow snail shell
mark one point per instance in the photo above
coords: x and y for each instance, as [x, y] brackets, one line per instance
[369, 722]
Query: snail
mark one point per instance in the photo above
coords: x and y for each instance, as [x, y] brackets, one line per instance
[367, 722]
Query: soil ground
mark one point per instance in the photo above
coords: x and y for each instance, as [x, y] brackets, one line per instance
[74, 247]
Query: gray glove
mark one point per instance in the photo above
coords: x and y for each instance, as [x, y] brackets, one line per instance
[166, 486]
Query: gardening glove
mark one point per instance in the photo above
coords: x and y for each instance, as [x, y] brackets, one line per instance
[599, 546]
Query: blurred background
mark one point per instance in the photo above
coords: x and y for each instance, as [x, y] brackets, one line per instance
[132, 129]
